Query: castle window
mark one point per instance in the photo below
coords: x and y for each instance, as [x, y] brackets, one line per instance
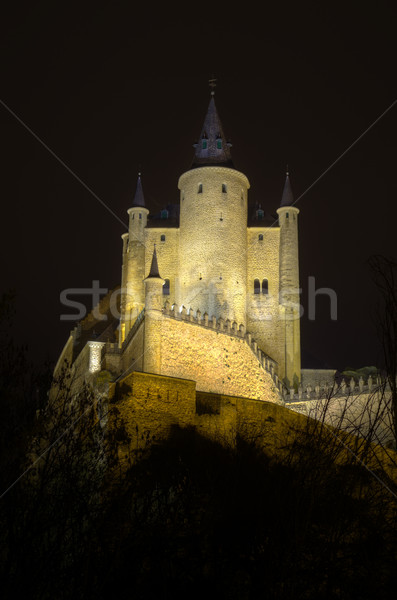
[260, 214]
[224, 188]
[204, 144]
[166, 287]
[164, 214]
[260, 237]
[219, 143]
[265, 286]
[162, 238]
[200, 188]
[133, 216]
[140, 215]
[287, 215]
[257, 286]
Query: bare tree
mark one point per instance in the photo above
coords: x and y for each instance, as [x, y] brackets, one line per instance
[384, 271]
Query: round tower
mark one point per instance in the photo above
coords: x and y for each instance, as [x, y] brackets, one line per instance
[213, 227]
[153, 315]
[133, 271]
[289, 286]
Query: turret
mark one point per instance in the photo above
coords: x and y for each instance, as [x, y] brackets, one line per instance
[153, 316]
[133, 270]
[289, 284]
[213, 227]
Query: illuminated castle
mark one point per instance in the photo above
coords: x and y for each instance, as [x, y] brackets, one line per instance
[209, 293]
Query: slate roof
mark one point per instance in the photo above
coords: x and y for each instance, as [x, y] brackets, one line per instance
[287, 199]
[212, 148]
[139, 199]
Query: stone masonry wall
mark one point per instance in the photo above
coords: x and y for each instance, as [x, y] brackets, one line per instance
[217, 362]
[263, 314]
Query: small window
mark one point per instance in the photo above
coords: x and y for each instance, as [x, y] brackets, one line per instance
[162, 238]
[219, 143]
[164, 214]
[204, 144]
[166, 287]
[287, 215]
[260, 214]
[133, 216]
[257, 286]
[200, 188]
[140, 215]
[265, 286]
[224, 188]
[260, 237]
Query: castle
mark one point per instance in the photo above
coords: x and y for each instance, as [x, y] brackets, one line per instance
[209, 292]
[206, 321]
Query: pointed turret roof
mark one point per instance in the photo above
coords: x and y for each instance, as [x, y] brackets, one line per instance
[154, 268]
[212, 147]
[287, 199]
[139, 199]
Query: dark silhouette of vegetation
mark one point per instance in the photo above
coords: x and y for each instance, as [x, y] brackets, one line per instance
[187, 516]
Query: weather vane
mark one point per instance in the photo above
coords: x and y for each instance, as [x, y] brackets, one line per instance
[212, 84]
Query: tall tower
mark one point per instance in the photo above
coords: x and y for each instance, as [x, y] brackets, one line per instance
[289, 284]
[153, 307]
[133, 269]
[213, 227]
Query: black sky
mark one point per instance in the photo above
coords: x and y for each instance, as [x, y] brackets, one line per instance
[115, 88]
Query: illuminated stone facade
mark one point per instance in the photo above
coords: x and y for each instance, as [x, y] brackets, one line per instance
[212, 262]
[209, 290]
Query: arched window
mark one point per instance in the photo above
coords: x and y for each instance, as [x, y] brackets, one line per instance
[224, 188]
[257, 286]
[166, 287]
[260, 237]
[200, 188]
[219, 143]
[265, 286]
[162, 238]
[204, 144]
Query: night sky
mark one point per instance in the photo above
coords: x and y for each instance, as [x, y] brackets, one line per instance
[115, 89]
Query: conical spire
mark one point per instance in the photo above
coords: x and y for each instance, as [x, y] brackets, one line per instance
[154, 268]
[212, 147]
[287, 199]
[139, 199]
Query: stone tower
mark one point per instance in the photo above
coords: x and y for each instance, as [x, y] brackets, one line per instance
[289, 284]
[133, 269]
[153, 312]
[213, 227]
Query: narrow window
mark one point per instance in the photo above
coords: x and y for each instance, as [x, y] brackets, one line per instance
[265, 286]
[260, 214]
[166, 287]
[219, 143]
[140, 215]
[164, 214]
[200, 188]
[224, 188]
[257, 286]
[287, 215]
[133, 216]
[162, 238]
[260, 237]
[204, 144]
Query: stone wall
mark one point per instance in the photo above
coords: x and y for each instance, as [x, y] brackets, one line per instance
[151, 404]
[263, 314]
[218, 362]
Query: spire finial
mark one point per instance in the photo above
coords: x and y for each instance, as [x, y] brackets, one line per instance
[212, 83]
